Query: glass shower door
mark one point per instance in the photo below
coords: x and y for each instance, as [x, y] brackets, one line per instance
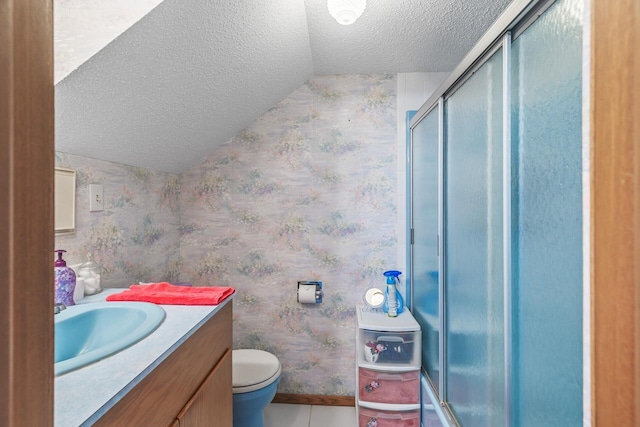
[474, 248]
[506, 198]
[424, 255]
[547, 219]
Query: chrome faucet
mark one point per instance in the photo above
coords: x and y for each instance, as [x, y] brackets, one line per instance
[58, 308]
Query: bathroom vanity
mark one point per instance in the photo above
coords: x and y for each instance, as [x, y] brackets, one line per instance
[180, 375]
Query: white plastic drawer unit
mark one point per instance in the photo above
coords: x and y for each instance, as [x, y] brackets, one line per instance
[391, 343]
[390, 348]
[389, 387]
[368, 417]
[387, 369]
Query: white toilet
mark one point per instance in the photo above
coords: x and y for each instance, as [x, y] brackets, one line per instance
[256, 375]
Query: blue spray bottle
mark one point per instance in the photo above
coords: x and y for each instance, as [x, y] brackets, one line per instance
[393, 302]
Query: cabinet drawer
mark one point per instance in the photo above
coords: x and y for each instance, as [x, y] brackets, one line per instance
[389, 387]
[377, 418]
[389, 348]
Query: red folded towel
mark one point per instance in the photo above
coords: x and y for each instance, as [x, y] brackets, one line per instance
[168, 294]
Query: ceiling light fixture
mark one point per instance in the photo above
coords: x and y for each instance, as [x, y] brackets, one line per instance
[346, 12]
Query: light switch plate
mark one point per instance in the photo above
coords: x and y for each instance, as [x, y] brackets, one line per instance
[96, 198]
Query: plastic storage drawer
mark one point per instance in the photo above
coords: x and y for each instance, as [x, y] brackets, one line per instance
[389, 387]
[390, 348]
[378, 418]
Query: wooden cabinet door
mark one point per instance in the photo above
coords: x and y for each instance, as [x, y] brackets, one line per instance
[212, 404]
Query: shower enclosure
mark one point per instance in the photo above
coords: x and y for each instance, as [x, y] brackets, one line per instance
[496, 225]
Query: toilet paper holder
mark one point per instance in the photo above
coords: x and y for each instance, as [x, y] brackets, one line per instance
[309, 292]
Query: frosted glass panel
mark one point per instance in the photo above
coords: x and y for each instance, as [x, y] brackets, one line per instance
[424, 260]
[473, 248]
[547, 219]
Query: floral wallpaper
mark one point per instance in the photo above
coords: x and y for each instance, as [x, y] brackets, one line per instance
[306, 192]
[136, 237]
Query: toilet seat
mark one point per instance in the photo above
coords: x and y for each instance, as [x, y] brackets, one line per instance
[253, 370]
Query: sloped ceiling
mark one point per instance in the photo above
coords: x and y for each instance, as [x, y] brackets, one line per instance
[191, 74]
[83, 27]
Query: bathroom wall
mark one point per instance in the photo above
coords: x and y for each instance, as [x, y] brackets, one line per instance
[307, 192]
[136, 237]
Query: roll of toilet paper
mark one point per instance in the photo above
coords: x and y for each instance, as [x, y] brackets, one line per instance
[307, 294]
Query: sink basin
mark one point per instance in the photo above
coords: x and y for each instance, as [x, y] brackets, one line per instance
[86, 333]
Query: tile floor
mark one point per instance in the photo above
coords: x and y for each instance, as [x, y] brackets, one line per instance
[285, 415]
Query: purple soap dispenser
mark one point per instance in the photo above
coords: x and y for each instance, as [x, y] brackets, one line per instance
[65, 281]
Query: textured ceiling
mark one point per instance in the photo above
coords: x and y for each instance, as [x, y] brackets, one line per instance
[395, 36]
[191, 74]
[83, 27]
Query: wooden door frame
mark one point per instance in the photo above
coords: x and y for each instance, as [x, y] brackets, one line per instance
[615, 212]
[26, 212]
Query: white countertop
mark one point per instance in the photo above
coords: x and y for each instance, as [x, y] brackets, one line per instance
[84, 395]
